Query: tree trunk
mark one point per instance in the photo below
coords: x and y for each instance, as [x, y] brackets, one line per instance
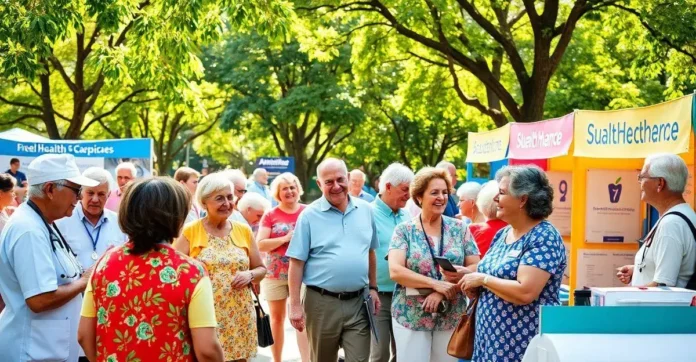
[301, 166]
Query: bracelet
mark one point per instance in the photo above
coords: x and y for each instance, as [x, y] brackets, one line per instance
[374, 288]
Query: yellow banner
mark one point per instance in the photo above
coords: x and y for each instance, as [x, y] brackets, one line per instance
[488, 146]
[634, 133]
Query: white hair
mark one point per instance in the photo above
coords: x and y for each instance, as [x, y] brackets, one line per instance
[670, 167]
[36, 191]
[395, 174]
[235, 176]
[286, 177]
[211, 184]
[484, 200]
[127, 166]
[468, 190]
[254, 201]
[329, 161]
[100, 175]
[358, 172]
[445, 165]
[257, 172]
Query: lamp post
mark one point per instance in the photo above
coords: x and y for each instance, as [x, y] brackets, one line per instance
[186, 134]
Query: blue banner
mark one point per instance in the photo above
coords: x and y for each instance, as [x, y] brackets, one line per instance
[276, 165]
[126, 148]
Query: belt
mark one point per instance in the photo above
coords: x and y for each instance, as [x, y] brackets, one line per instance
[339, 296]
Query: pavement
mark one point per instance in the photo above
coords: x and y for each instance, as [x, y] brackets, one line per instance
[290, 351]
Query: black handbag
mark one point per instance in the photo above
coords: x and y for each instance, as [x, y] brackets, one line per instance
[263, 323]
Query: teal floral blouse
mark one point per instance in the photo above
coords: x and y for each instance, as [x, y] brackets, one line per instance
[457, 244]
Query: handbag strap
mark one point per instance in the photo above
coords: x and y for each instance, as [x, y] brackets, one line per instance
[257, 301]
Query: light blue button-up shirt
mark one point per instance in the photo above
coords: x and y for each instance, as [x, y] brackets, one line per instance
[365, 196]
[335, 245]
[385, 221]
[79, 233]
[29, 267]
[261, 190]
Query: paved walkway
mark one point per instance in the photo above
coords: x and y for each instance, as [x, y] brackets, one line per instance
[290, 351]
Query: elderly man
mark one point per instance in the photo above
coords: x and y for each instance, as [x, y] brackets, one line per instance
[388, 210]
[332, 253]
[452, 209]
[92, 229]
[239, 181]
[259, 184]
[668, 254]
[468, 211]
[357, 182]
[41, 279]
[251, 207]
[125, 173]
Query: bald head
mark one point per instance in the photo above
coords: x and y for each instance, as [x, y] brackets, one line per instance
[332, 179]
[451, 169]
[332, 164]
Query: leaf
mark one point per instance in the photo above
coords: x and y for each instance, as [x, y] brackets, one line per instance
[617, 181]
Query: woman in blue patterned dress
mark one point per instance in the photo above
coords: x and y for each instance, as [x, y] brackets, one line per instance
[421, 329]
[521, 271]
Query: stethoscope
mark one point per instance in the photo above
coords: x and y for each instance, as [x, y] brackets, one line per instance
[57, 236]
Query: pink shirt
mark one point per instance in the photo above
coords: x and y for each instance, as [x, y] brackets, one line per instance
[114, 200]
[280, 223]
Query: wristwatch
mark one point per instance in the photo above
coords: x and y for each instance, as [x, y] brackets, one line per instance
[374, 288]
[485, 279]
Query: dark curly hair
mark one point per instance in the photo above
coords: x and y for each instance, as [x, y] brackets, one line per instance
[532, 182]
[153, 210]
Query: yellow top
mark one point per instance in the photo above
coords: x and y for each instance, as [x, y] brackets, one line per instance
[195, 233]
[201, 310]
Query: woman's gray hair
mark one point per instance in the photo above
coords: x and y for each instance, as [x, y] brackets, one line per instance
[211, 184]
[532, 182]
[469, 190]
[100, 175]
[395, 175]
[670, 167]
[36, 191]
[485, 200]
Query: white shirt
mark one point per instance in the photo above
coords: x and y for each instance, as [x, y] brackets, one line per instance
[671, 257]
[28, 267]
[79, 233]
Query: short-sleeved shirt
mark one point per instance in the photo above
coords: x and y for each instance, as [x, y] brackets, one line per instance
[484, 233]
[19, 176]
[365, 196]
[114, 200]
[504, 329]
[671, 257]
[457, 244]
[29, 267]
[280, 223]
[80, 234]
[335, 245]
[386, 221]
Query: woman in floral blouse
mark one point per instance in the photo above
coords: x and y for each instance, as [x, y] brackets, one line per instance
[145, 301]
[228, 251]
[423, 323]
[273, 238]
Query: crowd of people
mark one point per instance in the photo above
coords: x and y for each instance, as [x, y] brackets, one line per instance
[164, 268]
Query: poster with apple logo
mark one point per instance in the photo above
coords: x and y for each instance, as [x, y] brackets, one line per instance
[562, 190]
[613, 206]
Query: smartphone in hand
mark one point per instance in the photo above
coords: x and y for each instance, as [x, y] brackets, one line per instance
[445, 264]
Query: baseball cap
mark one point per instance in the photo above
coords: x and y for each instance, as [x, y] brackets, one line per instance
[54, 167]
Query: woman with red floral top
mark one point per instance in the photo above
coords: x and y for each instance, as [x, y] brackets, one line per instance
[273, 237]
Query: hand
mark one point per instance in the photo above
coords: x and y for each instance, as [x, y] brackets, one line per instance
[242, 279]
[473, 293]
[86, 275]
[432, 302]
[297, 316]
[376, 303]
[625, 273]
[472, 281]
[288, 236]
[455, 277]
[447, 289]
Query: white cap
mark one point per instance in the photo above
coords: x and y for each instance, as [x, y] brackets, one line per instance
[54, 167]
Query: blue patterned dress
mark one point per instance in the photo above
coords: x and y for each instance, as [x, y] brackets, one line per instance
[503, 329]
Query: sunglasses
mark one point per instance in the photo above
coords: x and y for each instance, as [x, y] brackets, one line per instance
[76, 190]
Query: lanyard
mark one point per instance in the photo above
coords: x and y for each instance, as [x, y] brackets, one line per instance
[61, 242]
[430, 248]
[94, 241]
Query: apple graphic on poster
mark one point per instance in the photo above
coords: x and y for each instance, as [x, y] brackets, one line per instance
[615, 191]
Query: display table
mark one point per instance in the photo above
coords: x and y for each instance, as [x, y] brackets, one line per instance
[614, 334]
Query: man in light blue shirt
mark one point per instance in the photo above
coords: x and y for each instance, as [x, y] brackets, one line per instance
[259, 184]
[332, 252]
[388, 213]
[92, 229]
[357, 182]
[40, 278]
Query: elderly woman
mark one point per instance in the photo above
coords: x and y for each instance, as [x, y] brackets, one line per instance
[484, 232]
[273, 237]
[7, 195]
[252, 206]
[423, 323]
[521, 271]
[228, 250]
[134, 287]
[467, 194]
[189, 177]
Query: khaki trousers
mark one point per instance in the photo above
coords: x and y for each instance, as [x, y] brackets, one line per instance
[385, 350]
[332, 324]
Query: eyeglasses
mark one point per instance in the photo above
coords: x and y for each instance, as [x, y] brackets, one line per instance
[242, 191]
[645, 177]
[76, 190]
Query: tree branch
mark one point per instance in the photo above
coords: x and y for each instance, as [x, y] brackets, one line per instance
[332, 8]
[433, 62]
[20, 119]
[109, 130]
[20, 104]
[59, 67]
[113, 109]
